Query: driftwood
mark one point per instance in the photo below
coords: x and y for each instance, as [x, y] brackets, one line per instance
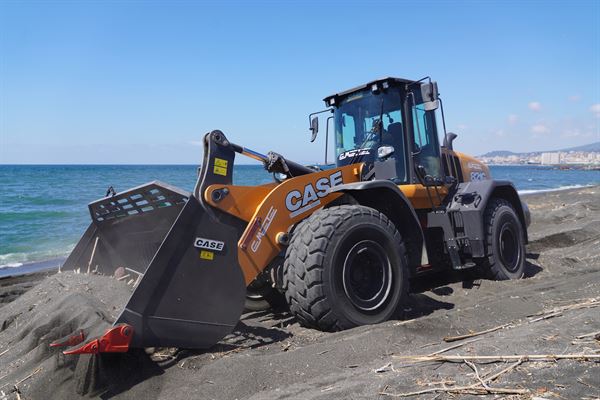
[24, 379]
[478, 388]
[587, 335]
[452, 347]
[523, 357]
[469, 335]
[542, 315]
[92, 256]
[592, 302]
[458, 390]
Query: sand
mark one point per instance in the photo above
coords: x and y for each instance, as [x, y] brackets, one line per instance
[270, 356]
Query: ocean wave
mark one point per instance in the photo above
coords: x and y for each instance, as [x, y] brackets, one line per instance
[11, 265]
[16, 260]
[531, 191]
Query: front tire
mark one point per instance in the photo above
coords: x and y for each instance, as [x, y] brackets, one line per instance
[505, 241]
[345, 266]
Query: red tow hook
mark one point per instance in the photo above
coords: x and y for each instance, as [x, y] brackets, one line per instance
[69, 341]
[114, 340]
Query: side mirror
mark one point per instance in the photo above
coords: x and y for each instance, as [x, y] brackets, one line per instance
[384, 152]
[429, 94]
[448, 139]
[314, 128]
[429, 91]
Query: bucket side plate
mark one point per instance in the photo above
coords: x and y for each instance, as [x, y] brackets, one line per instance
[189, 297]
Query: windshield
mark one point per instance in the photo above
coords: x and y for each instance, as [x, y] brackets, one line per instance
[357, 130]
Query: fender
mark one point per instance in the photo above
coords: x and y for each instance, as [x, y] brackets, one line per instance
[386, 197]
[471, 198]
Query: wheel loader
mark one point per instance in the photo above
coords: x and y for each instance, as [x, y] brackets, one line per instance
[340, 242]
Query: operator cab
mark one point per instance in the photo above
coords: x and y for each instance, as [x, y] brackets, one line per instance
[372, 123]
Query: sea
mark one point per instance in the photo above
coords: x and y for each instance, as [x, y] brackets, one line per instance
[43, 208]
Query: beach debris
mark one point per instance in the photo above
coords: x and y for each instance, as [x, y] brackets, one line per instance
[588, 303]
[480, 387]
[387, 367]
[523, 357]
[286, 346]
[16, 385]
[547, 316]
[119, 273]
[542, 315]
[469, 335]
[93, 253]
[596, 335]
[453, 347]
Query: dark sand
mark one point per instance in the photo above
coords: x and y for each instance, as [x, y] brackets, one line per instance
[271, 356]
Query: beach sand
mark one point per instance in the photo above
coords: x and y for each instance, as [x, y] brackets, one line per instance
[270, 356]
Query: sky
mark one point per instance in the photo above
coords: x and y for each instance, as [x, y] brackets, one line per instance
[141, 82]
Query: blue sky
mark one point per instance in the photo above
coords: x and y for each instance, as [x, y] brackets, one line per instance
[141, 82]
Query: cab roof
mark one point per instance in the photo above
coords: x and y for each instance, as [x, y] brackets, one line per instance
[390, 80]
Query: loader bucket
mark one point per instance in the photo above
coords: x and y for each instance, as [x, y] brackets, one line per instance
[184, 296]
[127, 229]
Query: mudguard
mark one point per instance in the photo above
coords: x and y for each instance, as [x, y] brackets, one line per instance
[470, 200]
[385, 196]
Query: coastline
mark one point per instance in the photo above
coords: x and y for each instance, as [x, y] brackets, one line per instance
[32, 267]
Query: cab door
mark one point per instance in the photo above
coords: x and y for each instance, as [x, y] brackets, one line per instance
[425, 155]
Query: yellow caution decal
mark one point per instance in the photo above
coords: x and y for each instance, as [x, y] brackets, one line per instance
[207, 255]
[220, 167]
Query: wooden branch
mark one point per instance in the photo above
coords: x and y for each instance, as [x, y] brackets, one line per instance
[481, 381]
[28, 376]
[461, 337]
[587, 335]
[524, 357]
[458, 390]
[504, 371]
[452, 347]
[546, 316]
[479, 388]
[24, 379]
[93, 253]
[592, 302]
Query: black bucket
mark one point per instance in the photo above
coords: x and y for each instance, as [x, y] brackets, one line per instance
[185, 294]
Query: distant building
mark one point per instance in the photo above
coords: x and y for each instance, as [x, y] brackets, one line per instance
[551, 158]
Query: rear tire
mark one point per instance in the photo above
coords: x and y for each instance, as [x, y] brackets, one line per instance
[505, 242]
[345, 266]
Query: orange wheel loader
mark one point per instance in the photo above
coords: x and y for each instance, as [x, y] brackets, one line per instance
[339, 243]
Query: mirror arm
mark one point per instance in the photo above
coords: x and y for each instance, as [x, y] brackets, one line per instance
[316, 113]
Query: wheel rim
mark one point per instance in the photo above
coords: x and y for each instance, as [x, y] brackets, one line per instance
[509, 248]
[367, 275]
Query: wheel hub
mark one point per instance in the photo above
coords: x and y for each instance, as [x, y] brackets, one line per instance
[367, 275]
[509, 247]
